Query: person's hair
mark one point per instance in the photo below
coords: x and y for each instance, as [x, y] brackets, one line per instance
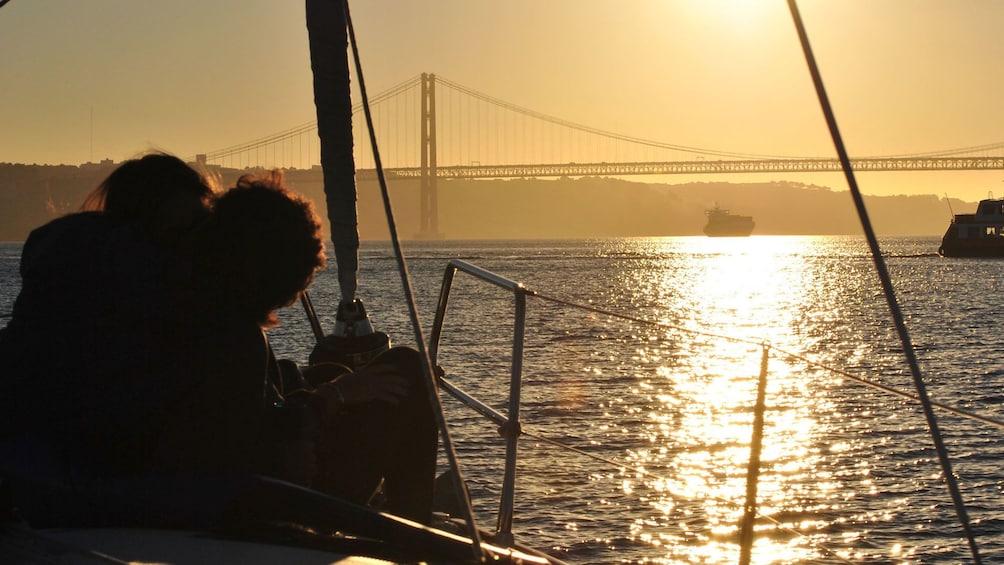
[264, 244]
[141, 190]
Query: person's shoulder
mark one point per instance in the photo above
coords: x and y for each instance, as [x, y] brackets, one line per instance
[94, 220]
[71, 225]
[70, 234]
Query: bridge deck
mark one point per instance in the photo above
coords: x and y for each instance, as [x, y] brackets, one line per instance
[702, 167]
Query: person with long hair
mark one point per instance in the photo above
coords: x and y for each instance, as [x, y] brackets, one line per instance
[82, 273]
[96, 287]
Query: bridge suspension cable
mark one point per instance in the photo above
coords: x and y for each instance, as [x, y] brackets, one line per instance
[468, 151]
[587, 129]
[998, 146]
[302, 129]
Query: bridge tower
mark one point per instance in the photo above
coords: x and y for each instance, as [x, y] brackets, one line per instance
[428, 194]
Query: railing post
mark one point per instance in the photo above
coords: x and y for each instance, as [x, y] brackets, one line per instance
[511, 429]
[753, 470]
[437, 323]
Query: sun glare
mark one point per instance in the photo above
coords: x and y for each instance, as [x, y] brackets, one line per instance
[742, 21]
[741, 12]
[752, 289]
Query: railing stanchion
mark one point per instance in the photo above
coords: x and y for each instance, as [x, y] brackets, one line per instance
[511, 429]
[753, 470]
[315, 324]
[437, 323]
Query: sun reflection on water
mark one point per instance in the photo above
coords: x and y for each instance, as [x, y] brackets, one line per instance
[756, 290]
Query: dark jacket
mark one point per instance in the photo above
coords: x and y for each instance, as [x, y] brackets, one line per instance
[55, 328]
[90, 354]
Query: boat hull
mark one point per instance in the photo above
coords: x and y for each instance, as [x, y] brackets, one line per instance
[728, 232]
[730, 226]
[986, 248]
[976, 235]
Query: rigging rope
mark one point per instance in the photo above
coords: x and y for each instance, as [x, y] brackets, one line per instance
[430, 380]
[777, 351]
[887, 288]
[780, 352]
[527, 430]
[787, 353]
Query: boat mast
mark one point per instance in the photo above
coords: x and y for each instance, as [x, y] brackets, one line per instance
[353, 342]
[326, 29]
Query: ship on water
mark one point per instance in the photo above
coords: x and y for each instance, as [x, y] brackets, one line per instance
[976, 235]
[722, 223]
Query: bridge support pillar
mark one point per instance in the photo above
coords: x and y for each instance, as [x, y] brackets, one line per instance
[428, 195]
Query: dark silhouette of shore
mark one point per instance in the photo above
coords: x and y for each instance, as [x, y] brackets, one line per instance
[31, 195]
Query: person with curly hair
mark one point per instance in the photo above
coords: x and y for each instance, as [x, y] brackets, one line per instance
[259, 250]
[347, 436]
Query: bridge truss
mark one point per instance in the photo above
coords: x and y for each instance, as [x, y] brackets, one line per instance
[810, 165]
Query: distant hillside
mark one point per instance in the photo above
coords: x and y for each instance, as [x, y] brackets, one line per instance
[30, 195]
[600, 207]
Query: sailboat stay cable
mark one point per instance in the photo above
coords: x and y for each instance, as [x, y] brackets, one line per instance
[887, 288]
[778, 350]
[430, 381]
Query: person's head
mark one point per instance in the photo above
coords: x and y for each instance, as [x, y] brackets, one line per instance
[263, 244]
[159, 193]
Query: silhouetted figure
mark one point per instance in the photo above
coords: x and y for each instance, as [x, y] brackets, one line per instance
[70, 369]
[257, 254]
[84, 275]
[159, 405]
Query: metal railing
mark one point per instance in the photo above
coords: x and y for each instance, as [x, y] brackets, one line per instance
[509, 425]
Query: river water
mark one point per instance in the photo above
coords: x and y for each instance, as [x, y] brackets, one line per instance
[651, 375]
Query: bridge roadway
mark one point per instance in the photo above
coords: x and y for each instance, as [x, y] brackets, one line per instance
[702, 166]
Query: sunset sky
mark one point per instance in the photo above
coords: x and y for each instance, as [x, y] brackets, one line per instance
[87, 80]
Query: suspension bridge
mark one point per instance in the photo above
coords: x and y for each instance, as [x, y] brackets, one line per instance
[431, 128]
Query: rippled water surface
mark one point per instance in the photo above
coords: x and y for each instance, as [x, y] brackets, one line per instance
[658, 400]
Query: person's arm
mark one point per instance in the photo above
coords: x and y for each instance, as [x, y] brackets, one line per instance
[389, 378]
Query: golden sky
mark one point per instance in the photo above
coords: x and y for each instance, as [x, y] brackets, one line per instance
[95, 79]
